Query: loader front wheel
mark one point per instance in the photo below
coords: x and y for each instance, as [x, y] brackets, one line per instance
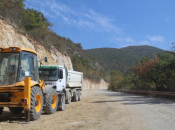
[16, 110]
[36, 104]
[1, 110]
[51, 101]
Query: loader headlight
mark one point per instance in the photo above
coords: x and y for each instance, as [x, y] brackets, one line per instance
[13, 49]
[1, 49]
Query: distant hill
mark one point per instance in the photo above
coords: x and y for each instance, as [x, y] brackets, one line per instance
[143, 50]
[122, 59]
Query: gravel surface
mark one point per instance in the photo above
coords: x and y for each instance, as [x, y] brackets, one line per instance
[102, 110]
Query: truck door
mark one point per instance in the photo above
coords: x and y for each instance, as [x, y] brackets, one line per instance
[61, 82]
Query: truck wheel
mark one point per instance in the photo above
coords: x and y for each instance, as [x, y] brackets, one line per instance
[1, 110]
[68, 98]
[75, 96]
[51, 101]
[61, 104]
[36, 104]
[79, 95]
[16, 110]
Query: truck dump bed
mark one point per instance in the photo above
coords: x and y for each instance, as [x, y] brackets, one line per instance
[75, 79]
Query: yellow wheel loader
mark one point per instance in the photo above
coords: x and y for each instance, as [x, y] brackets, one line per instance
[20, 86]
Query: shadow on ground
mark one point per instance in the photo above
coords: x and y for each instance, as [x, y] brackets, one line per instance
[133, 99]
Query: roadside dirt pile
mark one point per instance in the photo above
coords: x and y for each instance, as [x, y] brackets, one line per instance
[9, 37]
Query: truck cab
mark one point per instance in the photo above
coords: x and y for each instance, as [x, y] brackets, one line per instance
[54, 75]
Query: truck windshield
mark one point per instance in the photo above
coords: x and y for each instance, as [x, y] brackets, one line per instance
[49, 74]
[8, 68]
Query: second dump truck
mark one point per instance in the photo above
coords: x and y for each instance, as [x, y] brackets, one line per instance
[64, 80]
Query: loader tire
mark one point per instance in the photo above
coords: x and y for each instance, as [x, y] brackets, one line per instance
[16, 110]
[75, 96]
[1, 110]
[36, 104]
[79, 95]
[51, 102]
[68, 98]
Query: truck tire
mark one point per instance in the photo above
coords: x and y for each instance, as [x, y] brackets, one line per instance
[68, 98]
[36, 103]
[75, 96]
[61, 104]
[51, 102]
[16, 110]
[79, 95]
[1, 110]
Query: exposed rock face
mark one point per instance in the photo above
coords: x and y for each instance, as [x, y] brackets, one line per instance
[9, 37]
[88, 84]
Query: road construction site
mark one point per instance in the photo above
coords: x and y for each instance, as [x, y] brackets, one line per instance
[102, 109]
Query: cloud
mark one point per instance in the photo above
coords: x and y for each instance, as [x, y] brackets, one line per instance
[144, 42]
[156, 39]
[125, 40]
[80, 17]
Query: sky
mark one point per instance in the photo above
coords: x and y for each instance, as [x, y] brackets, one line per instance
[111, 23]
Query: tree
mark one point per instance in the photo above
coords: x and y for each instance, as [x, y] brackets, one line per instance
[34, 19]
[116, 79]
[157, 71]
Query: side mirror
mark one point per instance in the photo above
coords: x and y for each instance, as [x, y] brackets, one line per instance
[45, 59]
[61, 74]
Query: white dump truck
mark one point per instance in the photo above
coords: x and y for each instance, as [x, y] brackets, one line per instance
[64, 80]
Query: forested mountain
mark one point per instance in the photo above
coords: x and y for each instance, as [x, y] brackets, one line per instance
[122, 59]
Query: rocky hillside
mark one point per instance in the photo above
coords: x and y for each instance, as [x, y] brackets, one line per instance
[10, 37]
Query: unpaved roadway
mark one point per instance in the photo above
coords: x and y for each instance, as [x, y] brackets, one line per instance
[103, 110]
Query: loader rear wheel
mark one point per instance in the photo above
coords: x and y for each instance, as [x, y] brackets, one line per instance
[1, 110]
[36, 104]
[79, 95]
[75, 96]
[68, 98]
[16, 110]
[51, 101]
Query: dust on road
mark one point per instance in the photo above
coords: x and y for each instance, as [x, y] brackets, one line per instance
[98, 110]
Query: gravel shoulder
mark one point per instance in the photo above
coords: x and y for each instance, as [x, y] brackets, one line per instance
[102, 109]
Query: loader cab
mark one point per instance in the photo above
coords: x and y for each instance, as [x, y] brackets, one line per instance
[16, 64]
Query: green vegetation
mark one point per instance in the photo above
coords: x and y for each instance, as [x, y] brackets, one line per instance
[156, 73]
[122, 59]
[36, 25]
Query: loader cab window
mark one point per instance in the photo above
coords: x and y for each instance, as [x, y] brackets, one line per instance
[26, 65]
[8, 68]
[36, 68]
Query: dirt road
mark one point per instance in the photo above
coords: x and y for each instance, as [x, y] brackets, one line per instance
[103, 110]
